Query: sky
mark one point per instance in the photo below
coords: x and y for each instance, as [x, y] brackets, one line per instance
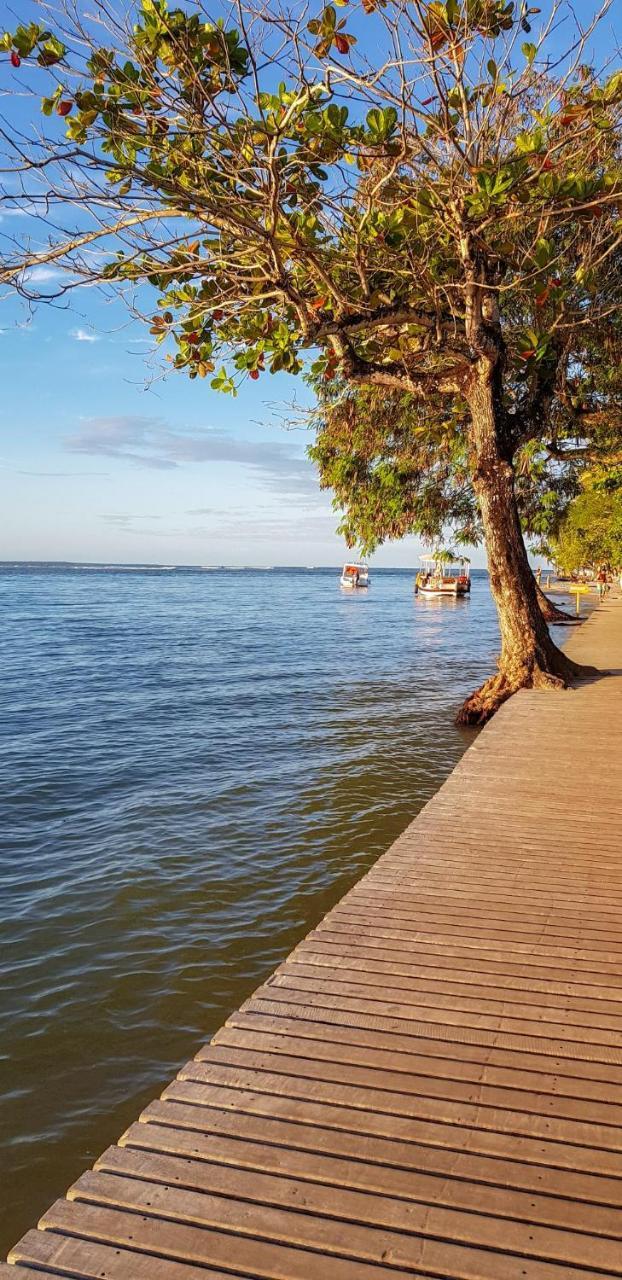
[104, 459]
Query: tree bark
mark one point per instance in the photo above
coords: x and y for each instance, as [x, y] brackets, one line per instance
[529, 658]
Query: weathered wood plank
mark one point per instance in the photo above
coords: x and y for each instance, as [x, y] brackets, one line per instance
[389, 1110]
[185, 1104]
[290, 1003]
[445, 1162]
[393, 1069]
[185, 1217]
[385, 1083]
[61, 1255]
[336, 1028]
[578, 1013]
[193, 1243]
[334, 1171]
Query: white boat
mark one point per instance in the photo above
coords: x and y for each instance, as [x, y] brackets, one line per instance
[354, 577]
[443, 574]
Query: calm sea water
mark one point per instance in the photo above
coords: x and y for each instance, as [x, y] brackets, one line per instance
[195, 766]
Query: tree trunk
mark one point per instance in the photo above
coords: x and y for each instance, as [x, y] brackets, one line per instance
[551, 613]
[529, 658]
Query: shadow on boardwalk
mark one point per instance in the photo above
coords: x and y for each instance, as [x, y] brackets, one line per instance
[431, 1084]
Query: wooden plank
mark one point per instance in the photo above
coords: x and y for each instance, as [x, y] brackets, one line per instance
[198, 1244]
[340, 1028]
[539, 966]
[595, 961]
[61, 1255]
[506, 905]
[396, 904]
[492, 938]
[474, 926]
[435, 962]
[461, 1010]
[377, 972]
[197, 1078]
[201, 1124]
[8, 1272]
[364, 1247]
[380, 900]
[443, 993]
[183, 1103]
[359, 1052]
[259, 1153]
[427, 1022]
[475, 1093]
[418, 965]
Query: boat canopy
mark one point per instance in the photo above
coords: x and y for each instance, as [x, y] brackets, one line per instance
[446, 564]
[350, 570]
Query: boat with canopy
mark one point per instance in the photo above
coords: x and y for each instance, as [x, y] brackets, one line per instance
[354, 576]
[443, 573]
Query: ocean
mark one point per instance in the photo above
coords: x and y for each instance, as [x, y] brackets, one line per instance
[195, 767]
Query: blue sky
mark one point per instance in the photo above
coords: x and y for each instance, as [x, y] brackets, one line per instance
[104, 460]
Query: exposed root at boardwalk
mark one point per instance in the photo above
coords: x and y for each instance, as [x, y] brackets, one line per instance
[510, 678]
[551, 613]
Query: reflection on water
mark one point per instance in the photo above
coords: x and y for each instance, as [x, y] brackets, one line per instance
[441, 602]
[195, 767]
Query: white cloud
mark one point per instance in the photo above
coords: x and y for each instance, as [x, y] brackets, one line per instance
[27, 209]
[83, 335]
[151, 442]
[39, 275]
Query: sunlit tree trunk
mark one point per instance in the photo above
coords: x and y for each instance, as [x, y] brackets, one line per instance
[529, 658]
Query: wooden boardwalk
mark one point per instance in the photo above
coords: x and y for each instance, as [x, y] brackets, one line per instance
[431, 1084]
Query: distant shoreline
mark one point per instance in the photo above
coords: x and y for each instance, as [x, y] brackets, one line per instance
[143, 566]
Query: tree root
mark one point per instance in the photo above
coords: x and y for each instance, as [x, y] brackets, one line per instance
[551, 613]
[481, 705]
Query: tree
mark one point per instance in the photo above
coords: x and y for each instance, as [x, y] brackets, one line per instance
[425, 212]
[391, 478]
[590, 534]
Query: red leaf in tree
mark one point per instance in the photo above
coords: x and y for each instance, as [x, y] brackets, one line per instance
[254, 374]
[64, 107]
[15, 59]
[342, 42]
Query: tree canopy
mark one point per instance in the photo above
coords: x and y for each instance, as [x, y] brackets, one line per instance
[342, 209]
[590, 533]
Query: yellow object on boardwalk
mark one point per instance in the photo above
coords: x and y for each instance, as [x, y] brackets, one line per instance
[579, 590]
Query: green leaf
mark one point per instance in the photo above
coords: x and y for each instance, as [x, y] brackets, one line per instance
[381, 122]
[529, 50]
